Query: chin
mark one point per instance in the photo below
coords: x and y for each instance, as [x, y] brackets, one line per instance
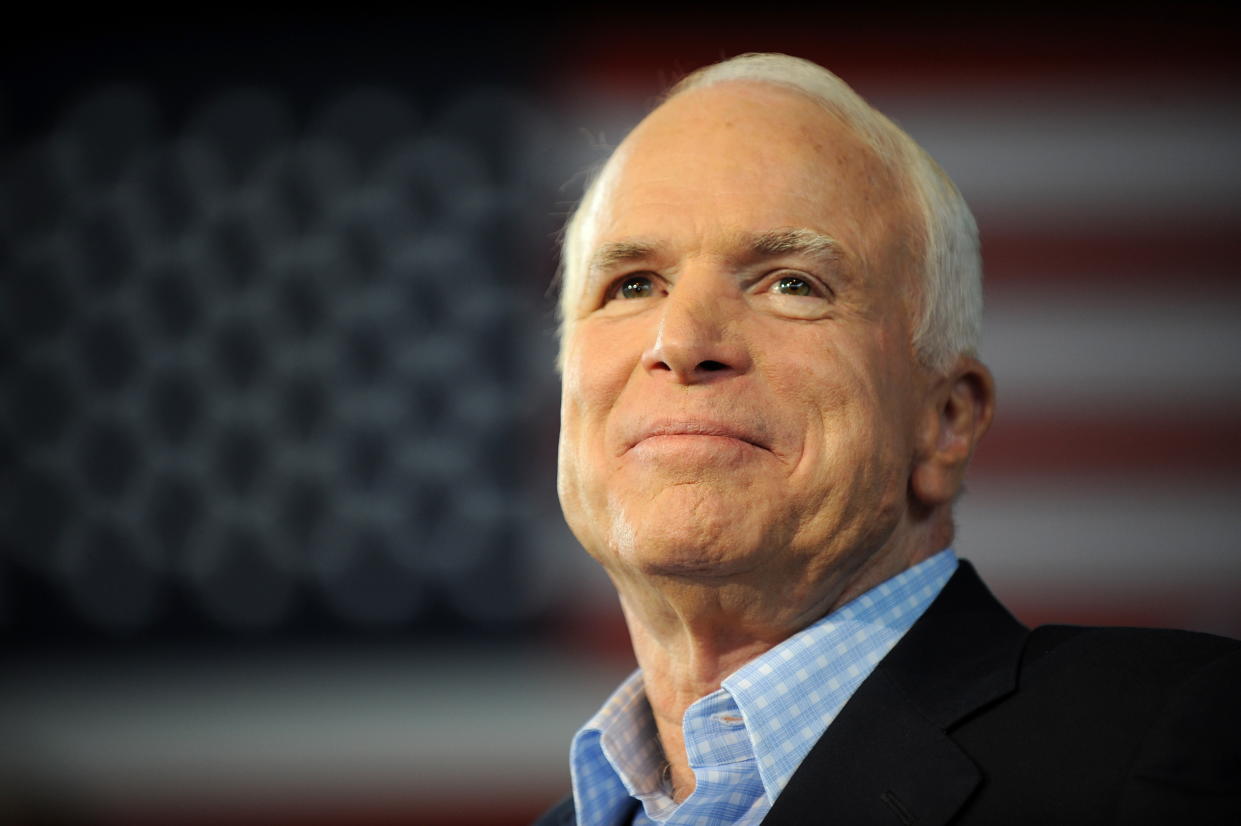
[711, 538]
[699, 568]
[687, 559]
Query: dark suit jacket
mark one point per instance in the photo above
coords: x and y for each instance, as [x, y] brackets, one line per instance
[974, 719]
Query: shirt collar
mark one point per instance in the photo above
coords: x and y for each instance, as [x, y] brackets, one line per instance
[785, 698]
[790, 694]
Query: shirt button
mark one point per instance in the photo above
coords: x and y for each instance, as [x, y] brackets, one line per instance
[727, 718]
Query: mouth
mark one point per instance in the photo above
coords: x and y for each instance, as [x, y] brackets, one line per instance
[696, 428]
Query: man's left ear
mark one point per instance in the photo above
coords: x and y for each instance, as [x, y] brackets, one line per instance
[959, 408]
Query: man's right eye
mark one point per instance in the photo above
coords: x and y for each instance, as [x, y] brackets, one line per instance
[634, 286]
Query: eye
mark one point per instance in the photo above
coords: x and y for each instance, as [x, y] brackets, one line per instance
[634, 286]
[792, 285]
[631, 293]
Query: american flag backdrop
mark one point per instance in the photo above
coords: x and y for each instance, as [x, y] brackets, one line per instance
[268, 558]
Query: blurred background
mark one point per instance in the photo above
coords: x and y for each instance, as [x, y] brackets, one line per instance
[278, 532]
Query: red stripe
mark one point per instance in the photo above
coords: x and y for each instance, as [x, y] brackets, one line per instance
[486, 809]
[1202, 443]
[1165, 256]
[597, 630]
[1197, 608]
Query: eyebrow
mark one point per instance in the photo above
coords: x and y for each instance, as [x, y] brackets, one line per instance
[792, 241]
[769, 244]
[620, 252]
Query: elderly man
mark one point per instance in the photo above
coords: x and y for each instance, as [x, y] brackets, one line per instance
[771, 305]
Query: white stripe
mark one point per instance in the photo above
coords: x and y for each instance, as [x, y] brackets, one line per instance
[1049, 350]
[1109, 536]
[1064, 154]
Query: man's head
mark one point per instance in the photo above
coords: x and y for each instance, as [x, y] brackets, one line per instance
[770, 307]
[949, 316]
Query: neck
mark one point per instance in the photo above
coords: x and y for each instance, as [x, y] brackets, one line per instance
[678, 669]
[689, 634]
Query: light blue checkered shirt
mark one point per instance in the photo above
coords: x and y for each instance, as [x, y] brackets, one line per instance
[746, 739]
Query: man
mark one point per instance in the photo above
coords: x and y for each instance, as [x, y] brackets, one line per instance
[771, 307]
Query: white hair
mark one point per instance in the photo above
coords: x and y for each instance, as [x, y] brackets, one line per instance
[949, 322]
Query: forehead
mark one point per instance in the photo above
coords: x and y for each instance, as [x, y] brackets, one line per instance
[740, 157]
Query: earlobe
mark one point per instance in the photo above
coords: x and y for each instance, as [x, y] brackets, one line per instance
[959, 412]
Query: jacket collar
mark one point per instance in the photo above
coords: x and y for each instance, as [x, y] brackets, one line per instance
[887, 758]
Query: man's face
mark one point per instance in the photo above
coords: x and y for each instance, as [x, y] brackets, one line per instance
[740, 392]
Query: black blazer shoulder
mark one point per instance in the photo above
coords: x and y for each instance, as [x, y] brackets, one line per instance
[1122, 725]
[974, 719]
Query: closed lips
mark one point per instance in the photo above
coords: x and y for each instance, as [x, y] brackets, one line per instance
[696, 428]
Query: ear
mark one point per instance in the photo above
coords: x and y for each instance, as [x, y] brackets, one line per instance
[958, 412]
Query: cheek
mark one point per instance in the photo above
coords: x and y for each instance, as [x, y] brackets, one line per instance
[575, 441]
[859, 471]
[577, 485]
[599, 359]
[591, 383]
[859, 443]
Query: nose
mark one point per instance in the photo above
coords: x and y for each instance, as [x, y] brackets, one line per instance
[697, 340]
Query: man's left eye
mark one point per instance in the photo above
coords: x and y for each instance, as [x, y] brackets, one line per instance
[636, 286]
[792, 285]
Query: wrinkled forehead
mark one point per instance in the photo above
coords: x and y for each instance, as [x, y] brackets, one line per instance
[755, 151]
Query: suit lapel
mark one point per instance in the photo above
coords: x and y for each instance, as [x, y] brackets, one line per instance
[887, 759]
